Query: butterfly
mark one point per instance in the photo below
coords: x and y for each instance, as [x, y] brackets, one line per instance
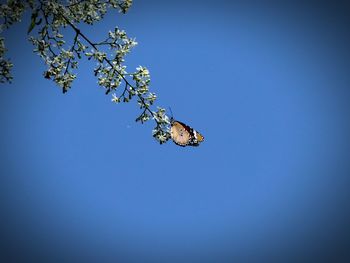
[184, 135]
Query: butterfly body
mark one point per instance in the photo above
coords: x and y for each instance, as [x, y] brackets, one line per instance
[184, 135]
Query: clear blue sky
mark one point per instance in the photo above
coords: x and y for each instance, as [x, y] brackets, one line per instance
[268, 87]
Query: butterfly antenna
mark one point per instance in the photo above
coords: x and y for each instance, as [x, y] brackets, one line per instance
[171, 113]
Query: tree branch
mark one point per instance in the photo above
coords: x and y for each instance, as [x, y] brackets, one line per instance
[93, 45]
[72, 49]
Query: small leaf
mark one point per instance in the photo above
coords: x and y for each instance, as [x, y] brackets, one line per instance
[32, 22]
[47, 75]
[31, 26]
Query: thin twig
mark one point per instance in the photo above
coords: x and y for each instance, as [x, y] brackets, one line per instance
[72, 49]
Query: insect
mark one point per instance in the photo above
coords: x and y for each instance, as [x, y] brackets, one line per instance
[184, 135]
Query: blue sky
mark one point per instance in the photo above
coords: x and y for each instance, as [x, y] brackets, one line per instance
[268, 87]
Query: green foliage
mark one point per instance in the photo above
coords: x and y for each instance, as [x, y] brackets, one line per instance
[5, 64]
[48, 20]
[10, 13]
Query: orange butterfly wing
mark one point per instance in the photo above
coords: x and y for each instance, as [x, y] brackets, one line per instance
[179, 133]
[184, 135]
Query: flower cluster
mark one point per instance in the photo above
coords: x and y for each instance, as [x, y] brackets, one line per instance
[161, 132]
[92, 11]
[5, 64]
[9, 14]
[12, 11]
